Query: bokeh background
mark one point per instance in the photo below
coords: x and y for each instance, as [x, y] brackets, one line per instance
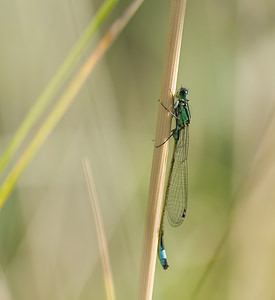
[225, 249]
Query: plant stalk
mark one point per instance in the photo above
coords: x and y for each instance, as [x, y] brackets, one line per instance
[156, 188]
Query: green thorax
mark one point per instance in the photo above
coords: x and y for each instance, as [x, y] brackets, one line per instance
[182, 111]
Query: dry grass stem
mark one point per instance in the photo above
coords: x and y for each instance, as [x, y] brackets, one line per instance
[154, 205]
[107, 271]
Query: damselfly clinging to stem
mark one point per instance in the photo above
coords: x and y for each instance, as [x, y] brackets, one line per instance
[175, 202]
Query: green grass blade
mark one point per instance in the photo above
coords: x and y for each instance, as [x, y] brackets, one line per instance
[61, 75]
[65, 101]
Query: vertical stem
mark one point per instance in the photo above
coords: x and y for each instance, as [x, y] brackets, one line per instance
[102, 242]
[154, 205]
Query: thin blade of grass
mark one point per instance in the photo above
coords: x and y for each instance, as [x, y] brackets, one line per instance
[105, 260]
[61, 75]
[65, 101]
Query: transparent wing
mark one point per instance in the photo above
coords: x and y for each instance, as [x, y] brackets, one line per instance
[177, 189]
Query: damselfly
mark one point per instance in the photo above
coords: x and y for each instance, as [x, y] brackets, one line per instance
[175, 203]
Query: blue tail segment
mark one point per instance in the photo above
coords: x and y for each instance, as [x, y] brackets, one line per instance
[162, 254]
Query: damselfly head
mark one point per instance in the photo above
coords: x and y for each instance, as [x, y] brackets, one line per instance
[182, 93]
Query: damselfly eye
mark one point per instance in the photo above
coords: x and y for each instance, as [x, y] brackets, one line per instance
[182, 93]
[185, 91]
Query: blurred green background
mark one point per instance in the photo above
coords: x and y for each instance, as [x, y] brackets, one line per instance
[48, 242]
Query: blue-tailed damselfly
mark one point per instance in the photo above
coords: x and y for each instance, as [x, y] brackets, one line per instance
[175, 202]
